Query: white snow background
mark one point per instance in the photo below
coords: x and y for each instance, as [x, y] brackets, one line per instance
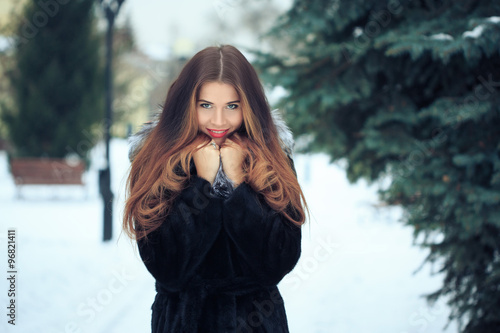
[355, 274]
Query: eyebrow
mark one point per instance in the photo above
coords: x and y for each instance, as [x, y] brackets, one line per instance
[204, 100]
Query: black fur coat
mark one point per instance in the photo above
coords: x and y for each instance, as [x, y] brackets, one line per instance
[217, 260]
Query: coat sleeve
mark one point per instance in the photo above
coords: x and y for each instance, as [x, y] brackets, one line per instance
[173, 252]
[267, 242]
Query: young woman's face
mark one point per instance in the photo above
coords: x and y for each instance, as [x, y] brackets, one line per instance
[219, 110]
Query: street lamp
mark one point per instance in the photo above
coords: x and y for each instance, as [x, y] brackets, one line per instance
[111, 9]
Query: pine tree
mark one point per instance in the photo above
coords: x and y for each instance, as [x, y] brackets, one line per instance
[57, 80]
[409, 90]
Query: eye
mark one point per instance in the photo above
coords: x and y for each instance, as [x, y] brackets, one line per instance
[232, 106]
[206, 105]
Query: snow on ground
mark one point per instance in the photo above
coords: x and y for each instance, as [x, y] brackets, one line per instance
[354, 275]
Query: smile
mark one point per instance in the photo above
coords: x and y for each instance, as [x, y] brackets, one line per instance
[217, 133]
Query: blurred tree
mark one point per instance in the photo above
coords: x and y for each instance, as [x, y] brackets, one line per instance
[124, 46]
[6, 61]
[8, 10]
[58, 80]
[409, 90]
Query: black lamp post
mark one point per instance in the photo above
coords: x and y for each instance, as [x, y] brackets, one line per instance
[111, 9]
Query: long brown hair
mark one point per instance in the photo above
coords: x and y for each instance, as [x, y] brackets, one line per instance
[161, 169]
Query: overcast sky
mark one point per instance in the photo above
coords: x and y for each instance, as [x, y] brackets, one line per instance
[162, 26]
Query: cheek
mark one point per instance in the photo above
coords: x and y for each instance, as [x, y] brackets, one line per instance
[238, 120]
[201, 118]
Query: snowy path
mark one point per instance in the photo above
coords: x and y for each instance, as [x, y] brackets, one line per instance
[354, 276]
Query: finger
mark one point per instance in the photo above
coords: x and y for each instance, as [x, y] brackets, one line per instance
[214, 145]
[238, 139]
[230, 143]
[207, 144]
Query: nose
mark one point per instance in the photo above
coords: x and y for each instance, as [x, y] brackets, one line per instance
[218, 118]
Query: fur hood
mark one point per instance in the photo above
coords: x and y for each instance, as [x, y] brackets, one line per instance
[222, 185]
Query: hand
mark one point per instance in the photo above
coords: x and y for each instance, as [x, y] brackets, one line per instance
[232, 156]
[206, 160]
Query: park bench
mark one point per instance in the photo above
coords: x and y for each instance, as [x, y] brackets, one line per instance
[46, 171]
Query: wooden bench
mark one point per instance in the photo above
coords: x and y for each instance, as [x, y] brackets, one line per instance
[46, 171]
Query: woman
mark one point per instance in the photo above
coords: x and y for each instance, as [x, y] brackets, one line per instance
[213, 201]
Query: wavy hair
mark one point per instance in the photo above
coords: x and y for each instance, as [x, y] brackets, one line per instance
[161, 169]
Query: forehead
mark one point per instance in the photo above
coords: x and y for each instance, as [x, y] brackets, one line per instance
[218, 92]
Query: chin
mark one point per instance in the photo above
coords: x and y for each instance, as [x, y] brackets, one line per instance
[219, 141]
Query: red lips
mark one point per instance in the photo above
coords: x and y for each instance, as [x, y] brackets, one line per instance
[217, 133]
